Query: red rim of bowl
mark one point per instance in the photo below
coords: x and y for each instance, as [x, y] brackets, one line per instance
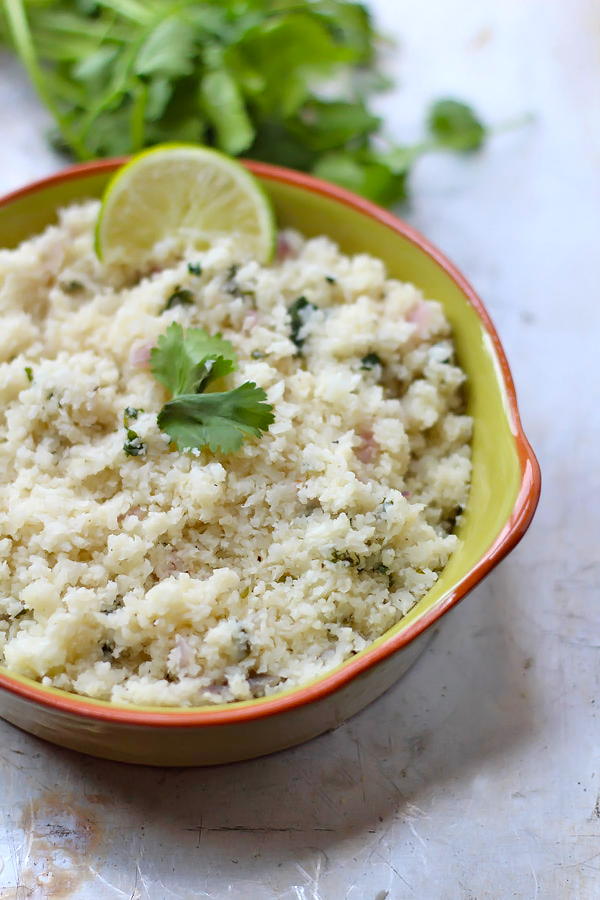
[509, 537]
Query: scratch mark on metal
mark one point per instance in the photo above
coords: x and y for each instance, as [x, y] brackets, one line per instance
[393, 869]
[29, 777]
[401, 877]
[108, 884]
[362, 771]
[583, 861]
[535, 881]
[313, 882]
[416, 833]
[145, 883]
[134, 893]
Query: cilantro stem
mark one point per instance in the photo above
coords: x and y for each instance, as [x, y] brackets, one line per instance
[511, 124]
[21, 35]
[138, 124]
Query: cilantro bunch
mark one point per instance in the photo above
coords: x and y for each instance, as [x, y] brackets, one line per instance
[186, 365]
[284, 81]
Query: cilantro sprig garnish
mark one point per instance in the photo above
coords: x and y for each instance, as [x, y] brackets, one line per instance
[186, 364]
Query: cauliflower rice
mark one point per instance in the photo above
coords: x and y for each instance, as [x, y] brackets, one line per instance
[178, 579]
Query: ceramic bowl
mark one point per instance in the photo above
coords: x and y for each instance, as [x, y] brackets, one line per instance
[504, 494]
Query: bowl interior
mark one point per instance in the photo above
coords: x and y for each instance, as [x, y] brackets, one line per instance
[497, 468]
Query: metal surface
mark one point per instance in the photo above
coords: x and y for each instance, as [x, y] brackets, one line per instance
[476, 777]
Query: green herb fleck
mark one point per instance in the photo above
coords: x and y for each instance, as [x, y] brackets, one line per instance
[179, 297]
[454, 516]
[242, 643]
[71, 287]
[195, 269]
[344, 556]
[331, 279]
[29, 373]
[230, 284]
[381, 569]
[370, 361]
[298, 313]
[257, 354]
[130, 412]
[134, 445]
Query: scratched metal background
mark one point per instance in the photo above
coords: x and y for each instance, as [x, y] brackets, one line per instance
[476, 777]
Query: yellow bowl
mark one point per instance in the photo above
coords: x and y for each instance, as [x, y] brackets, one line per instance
[504, 494]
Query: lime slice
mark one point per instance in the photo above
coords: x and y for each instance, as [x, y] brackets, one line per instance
[187, 193]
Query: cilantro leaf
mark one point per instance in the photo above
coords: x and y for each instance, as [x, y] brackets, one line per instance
[275, 143]
[365, 172]
[168, 50]
[279, 82]
[351, 24]
[186, 365]
[323, 125]
[456, 126]
[224, 106]
[95, 66]
[158, 95]
[219, 421]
